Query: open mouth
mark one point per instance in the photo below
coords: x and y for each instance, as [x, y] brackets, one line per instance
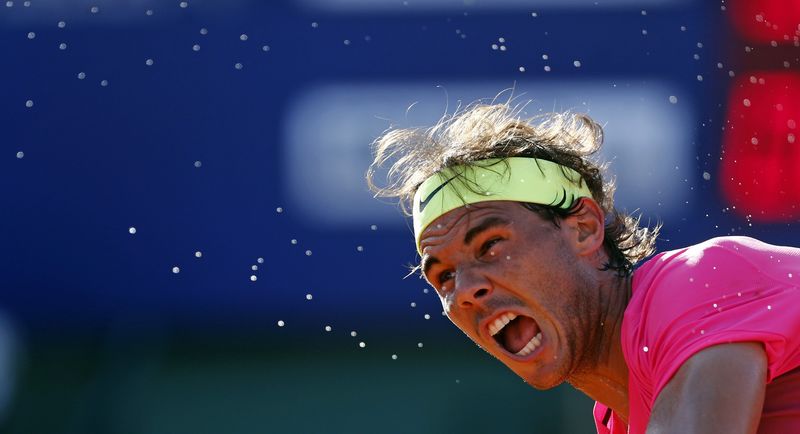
[517, 334]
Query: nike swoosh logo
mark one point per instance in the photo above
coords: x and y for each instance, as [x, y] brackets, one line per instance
[424, 203]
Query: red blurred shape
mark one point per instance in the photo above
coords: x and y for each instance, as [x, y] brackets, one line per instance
[760, 171]
[764, 21]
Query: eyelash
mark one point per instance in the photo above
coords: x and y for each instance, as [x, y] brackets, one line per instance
[447, 275]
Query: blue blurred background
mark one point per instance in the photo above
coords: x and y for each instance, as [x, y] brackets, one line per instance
[188, 243]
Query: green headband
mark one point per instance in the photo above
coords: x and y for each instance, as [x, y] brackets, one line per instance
[518, 179]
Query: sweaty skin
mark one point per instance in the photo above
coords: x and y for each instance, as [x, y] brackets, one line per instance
[491, 258]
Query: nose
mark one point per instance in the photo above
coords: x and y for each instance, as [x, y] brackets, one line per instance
[472, 288]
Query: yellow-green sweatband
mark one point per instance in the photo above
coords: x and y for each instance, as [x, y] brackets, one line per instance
[518, 179]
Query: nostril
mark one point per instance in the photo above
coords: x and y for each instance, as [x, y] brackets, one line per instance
[481, 292]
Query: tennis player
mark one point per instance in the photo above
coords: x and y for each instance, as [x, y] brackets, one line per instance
[517, 232]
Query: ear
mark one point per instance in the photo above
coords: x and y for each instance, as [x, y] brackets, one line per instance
[587, 227]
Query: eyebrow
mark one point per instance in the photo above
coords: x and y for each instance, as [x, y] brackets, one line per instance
[429, 261]
[483, 226]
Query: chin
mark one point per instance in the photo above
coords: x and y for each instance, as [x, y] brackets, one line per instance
[540, 380]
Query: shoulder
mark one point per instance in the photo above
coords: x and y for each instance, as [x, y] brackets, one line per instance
[728, 289]
[715, 268]
[716, 253]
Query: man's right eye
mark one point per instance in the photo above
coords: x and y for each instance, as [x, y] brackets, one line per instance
[444, 276]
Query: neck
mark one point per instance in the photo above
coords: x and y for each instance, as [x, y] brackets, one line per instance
[605, 379]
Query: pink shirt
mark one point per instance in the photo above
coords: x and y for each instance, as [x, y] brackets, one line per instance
[728, 289]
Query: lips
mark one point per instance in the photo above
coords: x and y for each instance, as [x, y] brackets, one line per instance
[517, 334]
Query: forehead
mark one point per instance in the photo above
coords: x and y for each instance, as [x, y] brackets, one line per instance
[462, 218]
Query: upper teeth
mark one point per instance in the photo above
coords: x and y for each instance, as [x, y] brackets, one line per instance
[501, 322]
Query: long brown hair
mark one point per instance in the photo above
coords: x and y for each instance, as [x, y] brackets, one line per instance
[482, 131]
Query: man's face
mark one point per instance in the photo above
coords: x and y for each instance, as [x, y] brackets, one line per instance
[496, 261]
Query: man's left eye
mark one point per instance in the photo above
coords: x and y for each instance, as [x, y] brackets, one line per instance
[488, 245]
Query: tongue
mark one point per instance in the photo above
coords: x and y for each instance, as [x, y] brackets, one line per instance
[518, 333]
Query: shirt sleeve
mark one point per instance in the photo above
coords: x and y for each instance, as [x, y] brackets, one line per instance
[718, 294]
